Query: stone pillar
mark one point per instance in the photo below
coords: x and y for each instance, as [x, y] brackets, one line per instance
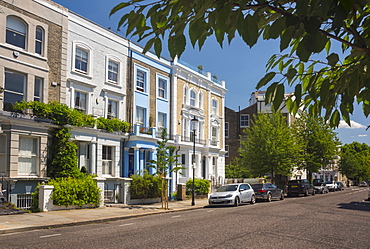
[92, 169]
[100, 184]
[45, 201]
[124, 196]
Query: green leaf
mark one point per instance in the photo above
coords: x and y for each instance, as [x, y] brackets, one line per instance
[250, 31]
[266, 79]
[158, 47]
[312, 26]
[333, 58]
[334, 119]
[277, 28]
[302, 52]
[291, 73]
[324, 90]
[270, 92]
[279, 96]
[148, 45]
[119, 7]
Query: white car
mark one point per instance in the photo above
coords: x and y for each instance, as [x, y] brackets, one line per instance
[233, 194]
[332, 186]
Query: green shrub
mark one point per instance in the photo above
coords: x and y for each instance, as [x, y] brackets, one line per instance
[201, 186]
[35, 200]
[146, 186]
[75, 191]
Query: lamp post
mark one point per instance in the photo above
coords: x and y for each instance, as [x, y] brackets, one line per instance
[194, 121]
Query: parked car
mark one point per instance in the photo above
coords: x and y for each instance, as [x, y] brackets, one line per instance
[363, 184]
[320, 187]
[232, 194]
[332, 185]
[267, 192]
[2, 197]
[297, 187]
[340, 186]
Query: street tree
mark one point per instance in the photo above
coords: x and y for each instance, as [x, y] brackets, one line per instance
[235, 169]
[269, 146]
[319, 141]
[355, 161]
[165, 163]
[304, 27]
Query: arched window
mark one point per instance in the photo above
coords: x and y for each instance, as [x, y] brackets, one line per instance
[16, 31]
[192, 97]
[39, 41]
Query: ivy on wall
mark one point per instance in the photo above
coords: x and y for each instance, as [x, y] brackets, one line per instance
[62, 160]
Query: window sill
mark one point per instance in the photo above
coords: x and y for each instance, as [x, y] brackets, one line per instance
[23, 51]
[114, 84]
[81, 73]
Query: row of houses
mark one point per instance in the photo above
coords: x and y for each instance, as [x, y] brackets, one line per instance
[48, 53]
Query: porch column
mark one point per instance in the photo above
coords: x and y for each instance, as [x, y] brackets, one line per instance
[93, 159]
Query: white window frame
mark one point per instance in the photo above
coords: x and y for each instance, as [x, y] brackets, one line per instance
[40, 41]
[38, 88]
[109, 113]
[108, 160]
[162, 116]
[8, 91]
[186, 92]
[243, 122]
[17, 32]
[142, 111]
[26, 157]
[200, 100]
[193, 99]
[118, 62]
[227, 150]
[214, 134]
[86, 48]
[162, 91]
[214, 106]
[145, 82]
[85, 111]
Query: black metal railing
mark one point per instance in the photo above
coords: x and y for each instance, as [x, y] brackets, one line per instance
[191, 139]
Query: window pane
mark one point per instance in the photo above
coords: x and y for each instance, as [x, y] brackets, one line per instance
[140, 80]
[162, 88]
[192, 98]
[112, 109]
[81, 59]
[14, 81]
[161, 120]
[140, 116]
[38, 89]
[226, 129]
[113, 71]
[39, 39]
[80, 101]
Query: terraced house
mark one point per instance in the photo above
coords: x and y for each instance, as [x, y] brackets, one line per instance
[33, 45]
[48, 53]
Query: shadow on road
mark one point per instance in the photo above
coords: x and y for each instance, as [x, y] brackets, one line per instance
[361, 206]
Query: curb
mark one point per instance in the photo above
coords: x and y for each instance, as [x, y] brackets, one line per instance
[79, 223]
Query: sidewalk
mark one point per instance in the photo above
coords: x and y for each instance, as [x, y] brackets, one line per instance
[111, 212]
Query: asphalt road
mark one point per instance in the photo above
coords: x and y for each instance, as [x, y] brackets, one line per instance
[334, 220]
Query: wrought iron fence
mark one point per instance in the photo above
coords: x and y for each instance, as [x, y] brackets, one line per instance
[24, 201]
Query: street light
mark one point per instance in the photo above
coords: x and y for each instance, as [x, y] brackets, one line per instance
[194, 121]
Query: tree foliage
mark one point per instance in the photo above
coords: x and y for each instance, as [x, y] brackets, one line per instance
[304, 27]
[319, 142]
[355, 161]
[269, 146]
[166, 162]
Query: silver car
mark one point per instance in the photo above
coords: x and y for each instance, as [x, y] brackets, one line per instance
[233, 194]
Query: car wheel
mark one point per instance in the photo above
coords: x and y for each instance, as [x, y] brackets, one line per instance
[282, 196]
[313, 192]
[236, 201]
[253, 199]
[306, 192]
[268, 199]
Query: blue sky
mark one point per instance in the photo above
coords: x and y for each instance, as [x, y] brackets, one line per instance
[240, 66]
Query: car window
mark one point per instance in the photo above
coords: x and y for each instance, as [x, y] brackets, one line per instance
[257, 186]
[227, 188]
[273, 186]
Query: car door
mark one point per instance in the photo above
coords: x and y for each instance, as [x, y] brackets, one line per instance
[243, 193]
[274, 191]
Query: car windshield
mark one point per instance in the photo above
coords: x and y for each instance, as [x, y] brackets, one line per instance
[297, 181]
[257, 186]
[329, 182]
[317, 183]
[227, 188]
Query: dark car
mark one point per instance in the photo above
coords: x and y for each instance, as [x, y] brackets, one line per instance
[267, 192]
[340, 186]
[297, 187]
